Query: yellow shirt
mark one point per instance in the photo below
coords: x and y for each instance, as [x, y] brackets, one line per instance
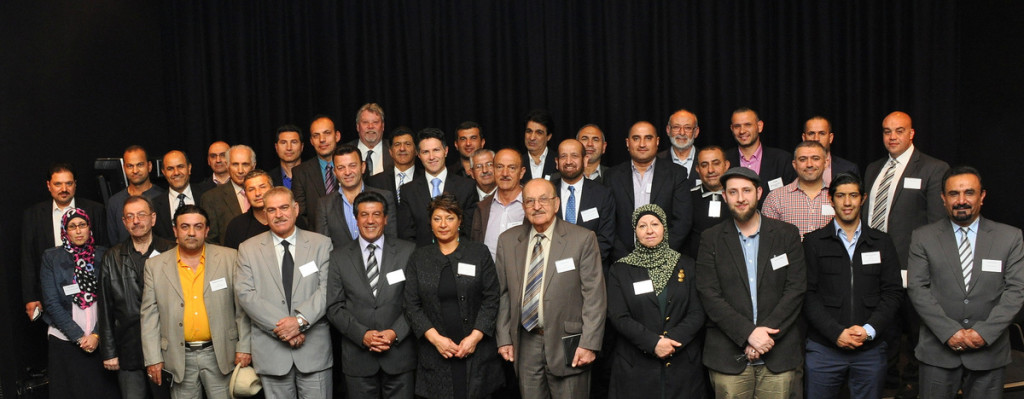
[197, 326]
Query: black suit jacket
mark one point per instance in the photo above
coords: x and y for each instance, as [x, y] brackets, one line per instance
[911, 208]
[598, 197]
[413, 218]
[308, 188]
[690, 175]
[37, 237]
[725, 294]
[549, 165]
[669, 190]
[775, 163]
[386, 181]
[701, 220]
[165, 214]
[221, 203]
[456, 166]
[331, 217]
[840, 165]
[836, 300]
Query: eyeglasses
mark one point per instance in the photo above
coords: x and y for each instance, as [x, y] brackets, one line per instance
[78, 226]
[529, 202]
[489, 165]
[141, 215]
[687, 129]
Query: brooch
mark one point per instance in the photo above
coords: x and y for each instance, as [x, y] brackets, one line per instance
[681, 275]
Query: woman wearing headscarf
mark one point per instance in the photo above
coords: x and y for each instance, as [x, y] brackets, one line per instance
[653, 304]
[70, 282]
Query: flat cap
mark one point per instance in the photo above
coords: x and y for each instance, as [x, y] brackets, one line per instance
[743, 172]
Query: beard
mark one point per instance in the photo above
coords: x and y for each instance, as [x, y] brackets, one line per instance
[744, 216]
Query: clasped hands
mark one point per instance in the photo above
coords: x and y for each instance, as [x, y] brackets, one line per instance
[287, 329]
[964, 339]
[379, 341]
[582, 357]
[449, 349]
[759, 342]
[852, 338]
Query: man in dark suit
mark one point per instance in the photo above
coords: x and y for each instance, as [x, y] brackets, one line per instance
[468, 139]
[643, 180]
[682, 130]
[370, 126]
[540, 160]
[503, 209]
[966, 280]
[552, 287]
[377, 349]
[413, 218]
[593, 141]
[820, 129]
[751, 277]
[403, 152]
[773, 166]
[903, 194]
[137, 167]
[314, 178]
[853, 292]
[288, 146]
[336, 216]
[228, 200]
[180, 192]
[585, 203]
[707, 196]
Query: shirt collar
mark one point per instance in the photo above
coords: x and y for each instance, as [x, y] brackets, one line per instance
[187, 191]
[759, 223]
[755, 156]
[70, 205]
[649, 167]
[408, 172]
[379, 242]
[973, 227]
[543, 157]
[904, 158]
[547, 232]
[842, 233]
[290, 239]
[443, 175]
[689, 158]
[519, 198]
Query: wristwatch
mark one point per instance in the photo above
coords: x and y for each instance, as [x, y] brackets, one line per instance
[303, 323]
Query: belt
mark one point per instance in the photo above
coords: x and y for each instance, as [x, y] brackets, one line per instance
[195, 346]
[535, 331]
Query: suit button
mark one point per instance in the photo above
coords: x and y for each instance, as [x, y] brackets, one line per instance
[664, 333]
[668, 364]
[966, 301]
[182, 304]
[667, 317]
[180, 325]
[462, 298]
[966, 321]
[182, 344]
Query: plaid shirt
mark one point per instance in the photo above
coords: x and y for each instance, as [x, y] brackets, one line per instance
[789, 204]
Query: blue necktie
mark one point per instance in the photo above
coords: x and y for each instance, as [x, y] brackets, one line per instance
[437, 187]
[570, 206]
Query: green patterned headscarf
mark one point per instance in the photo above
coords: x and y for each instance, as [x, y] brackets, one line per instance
[660, 260]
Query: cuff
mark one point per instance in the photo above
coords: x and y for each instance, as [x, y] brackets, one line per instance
[871, 331]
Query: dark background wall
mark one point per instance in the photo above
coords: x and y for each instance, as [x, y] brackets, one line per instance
[84, 80]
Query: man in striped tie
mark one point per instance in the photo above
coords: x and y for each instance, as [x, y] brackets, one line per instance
[966, 280]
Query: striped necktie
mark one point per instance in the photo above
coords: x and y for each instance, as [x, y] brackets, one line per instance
[881, 204]
[531, 297]
[372, 272]
[966, 256]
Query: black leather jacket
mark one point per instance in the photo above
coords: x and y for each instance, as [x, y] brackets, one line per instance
[120, 300]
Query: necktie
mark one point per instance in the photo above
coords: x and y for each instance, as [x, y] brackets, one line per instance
[287, 271]
[401, 181]
[570, 206]
[437, 187]
[966, 256]
[369, 163]
[329, 183]
[880, 209]
[181, 201]
[531, 297]
[372, 272]
[243, 202]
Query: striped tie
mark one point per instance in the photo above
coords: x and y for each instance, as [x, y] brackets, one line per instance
[330, 184]
[531, 298]
[966, 256]
[372, 274]
[570, 206]
[881, 204]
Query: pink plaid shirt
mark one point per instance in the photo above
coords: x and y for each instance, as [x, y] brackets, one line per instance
[789, 204]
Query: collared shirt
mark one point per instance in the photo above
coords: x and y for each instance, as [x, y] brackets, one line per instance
[443, 176]
[972, 234]
[901, 165]
[596, 175]
[377, 156]
[564, 197]
[642, 184]
[791, 205]
[58, 214]
[546, 250]
[279, 249]
[196, 322]
[480, 194]
[686, 163]
[537, 168]
[377, 252]
[215, 180]
[409, 173]
[850, 246]
[323, 169]
[243, 201]
[754, 162]
[172, 198]
[350, 216]
[750, 247]
[502, 217]
[285, 179]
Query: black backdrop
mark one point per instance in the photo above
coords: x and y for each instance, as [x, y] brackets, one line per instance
[80, 80]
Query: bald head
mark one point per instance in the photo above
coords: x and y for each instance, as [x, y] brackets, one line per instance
[897, 133]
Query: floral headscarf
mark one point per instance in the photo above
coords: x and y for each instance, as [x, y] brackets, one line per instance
[84, 257]
[659, 260]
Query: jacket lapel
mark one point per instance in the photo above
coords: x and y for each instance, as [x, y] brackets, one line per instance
[171, 273]
[519, 266]
[212, 270]
[983, 245]
[556, 251]
[951, 250]
[764, 249]
[910, 171]
[270, 259]
[384, 267]
[732, 245]
[659, 180]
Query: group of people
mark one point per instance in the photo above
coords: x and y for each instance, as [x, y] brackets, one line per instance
[539, 273]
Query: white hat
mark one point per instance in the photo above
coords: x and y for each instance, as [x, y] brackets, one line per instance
[244, 382]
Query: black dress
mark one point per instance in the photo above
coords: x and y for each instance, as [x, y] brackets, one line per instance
[452, 322]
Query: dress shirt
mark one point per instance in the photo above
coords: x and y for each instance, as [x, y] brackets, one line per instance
[686, 163]
[851, 246]
[217, 181]
[323, 175]
[501, 218]
[243, 201]
[750, 246]
[596, 175]
[546, 250]
[350, 216]
[172, 198]
[642, 184]
[537, 169]
[901, 165]
[790, 204]
[564, 197]
[58, 214]
[279, 249]
[443, 176]
[754, 162]
[409, 173]
[377, 157]
[84, 318]
[197, 324]
[285, 180]
[377, 252]
[480, 194]
[972, 235]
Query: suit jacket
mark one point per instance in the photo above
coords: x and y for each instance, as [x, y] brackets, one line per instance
[639, 320]
[386, 181]
[775, 164]
[549, 165]
[413, 218]
[478, 309]
[601, 169]
[57, 271]
[988, 305]
[165, 214]
[721, 272]
[911, 208]
[385, 155]
[163, 306]
[701, 220]
[840, 165]
[456, 167]
[575, 300]
[669, 190]
[331, 217]
[842, 292]
[37, 237]
[690, 175]
[353, 310]
[259, 290]
[308, 188]
[221, 203]
[597, 197]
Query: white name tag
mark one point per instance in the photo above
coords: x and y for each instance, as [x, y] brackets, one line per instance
[827, 210]
[547, 177]
[775, 183]
[992, 265]
[780, 261]
[396, 277]
[903, 274]
[648, 188]
[514, 224]
[308, 269]
[155, 253]
[565, 265]
[715, 209]
[71, 289]
[870, 258]
[589, 214]
[643, 287]
[218, 284]
[697, 181]
[912, 183]
[467, 269]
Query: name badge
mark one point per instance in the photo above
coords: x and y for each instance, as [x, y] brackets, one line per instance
[903, 274]
[992, 265]
[715, 209]
[648, 189]
[308, 269]
[547, 177]
[870, 258]
[155, 253]
[780, 261]
[643, 287]
[396, 277]
[467, 269]
[71, 289]
[514, 224]
[589, 214]
[697, 181]
[218, 284]
[775, 183]
[912, 183]
[565, 265]
[827, 210]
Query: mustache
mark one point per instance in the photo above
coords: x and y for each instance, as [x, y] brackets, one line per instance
[961, 206]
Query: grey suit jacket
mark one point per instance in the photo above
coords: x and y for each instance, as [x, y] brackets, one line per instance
[353, 310]
[330, 217]
[935, 285]
[575, 301]
[163, 339]
[221, 203]
[259, 290]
